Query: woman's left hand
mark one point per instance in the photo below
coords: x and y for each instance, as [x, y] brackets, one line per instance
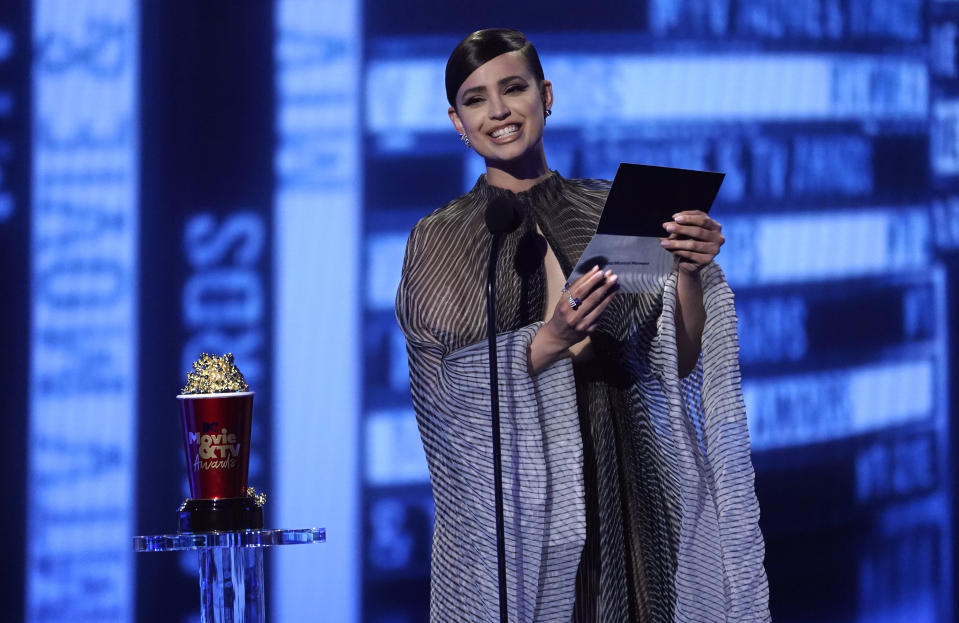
[694, 239]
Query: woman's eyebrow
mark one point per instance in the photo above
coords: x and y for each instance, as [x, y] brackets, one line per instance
[501, 82]
[473, 89]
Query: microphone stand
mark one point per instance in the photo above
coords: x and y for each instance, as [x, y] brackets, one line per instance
[494, 410]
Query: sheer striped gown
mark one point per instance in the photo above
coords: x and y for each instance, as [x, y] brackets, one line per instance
[628, 491]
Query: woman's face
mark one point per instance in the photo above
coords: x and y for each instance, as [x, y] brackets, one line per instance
[500, 106]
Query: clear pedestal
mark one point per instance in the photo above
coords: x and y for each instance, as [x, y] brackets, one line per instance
[231, 567]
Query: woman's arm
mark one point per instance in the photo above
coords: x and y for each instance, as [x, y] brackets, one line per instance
[690, 318]
[694, 239]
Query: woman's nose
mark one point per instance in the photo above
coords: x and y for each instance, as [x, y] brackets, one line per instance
[498, 109]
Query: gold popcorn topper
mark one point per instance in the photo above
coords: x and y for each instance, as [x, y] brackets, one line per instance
[258, 498]
[214, 374]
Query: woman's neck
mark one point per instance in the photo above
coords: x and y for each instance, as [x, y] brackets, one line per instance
[516, 175]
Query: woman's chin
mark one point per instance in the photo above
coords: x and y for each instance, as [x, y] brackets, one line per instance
[511, 155]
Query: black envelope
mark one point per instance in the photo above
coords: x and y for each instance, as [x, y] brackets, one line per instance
[642, 198]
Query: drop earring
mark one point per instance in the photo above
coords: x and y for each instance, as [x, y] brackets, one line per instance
[466, 140]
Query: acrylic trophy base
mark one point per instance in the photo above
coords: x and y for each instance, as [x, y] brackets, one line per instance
[232, 585]
[231, 567]
[219, 515]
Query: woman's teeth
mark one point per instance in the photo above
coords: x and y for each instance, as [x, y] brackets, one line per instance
[506, 131]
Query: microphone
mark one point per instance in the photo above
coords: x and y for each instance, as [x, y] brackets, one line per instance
[503, 215]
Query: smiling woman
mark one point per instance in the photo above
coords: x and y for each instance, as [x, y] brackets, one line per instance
[626, 469]
[501, 108]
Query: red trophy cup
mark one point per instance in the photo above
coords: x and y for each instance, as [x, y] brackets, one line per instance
[216, 411]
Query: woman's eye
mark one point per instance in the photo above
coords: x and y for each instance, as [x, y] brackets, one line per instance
[473, 100]
[515, 88]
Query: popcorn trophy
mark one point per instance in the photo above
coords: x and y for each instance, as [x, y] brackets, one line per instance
[216, 409]
[223, 518]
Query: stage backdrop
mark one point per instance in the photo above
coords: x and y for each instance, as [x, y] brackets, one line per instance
[180, 176]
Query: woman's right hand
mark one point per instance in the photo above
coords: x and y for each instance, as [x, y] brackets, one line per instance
[571, 324]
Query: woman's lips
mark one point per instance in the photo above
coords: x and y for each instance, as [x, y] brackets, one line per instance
[505, 133]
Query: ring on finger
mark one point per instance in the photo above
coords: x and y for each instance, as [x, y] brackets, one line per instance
[573, 302]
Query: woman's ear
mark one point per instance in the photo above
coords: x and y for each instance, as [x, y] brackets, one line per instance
[457, 122]
[546, 91]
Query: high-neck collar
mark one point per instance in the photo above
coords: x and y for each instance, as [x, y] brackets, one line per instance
[551, 185]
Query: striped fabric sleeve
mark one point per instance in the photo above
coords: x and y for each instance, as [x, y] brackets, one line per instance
[729, 466]
[542, 470]
[700, 425]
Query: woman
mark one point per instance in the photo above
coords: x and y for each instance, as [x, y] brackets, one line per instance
[627, 478]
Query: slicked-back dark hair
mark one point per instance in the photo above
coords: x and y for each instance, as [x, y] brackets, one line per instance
[483, 46]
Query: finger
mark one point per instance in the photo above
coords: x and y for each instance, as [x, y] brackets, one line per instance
[698, 218]
[676, 230]
[597, 296]
[568, 307]
[582, 287]
[575, 292]
[591, 320]
[695, 217]
[576, 284]
[584, 304]
[700, 259]
[693, 231]
[699, 246]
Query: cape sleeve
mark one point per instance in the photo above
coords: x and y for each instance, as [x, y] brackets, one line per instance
[700, 427]
[541, 452]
